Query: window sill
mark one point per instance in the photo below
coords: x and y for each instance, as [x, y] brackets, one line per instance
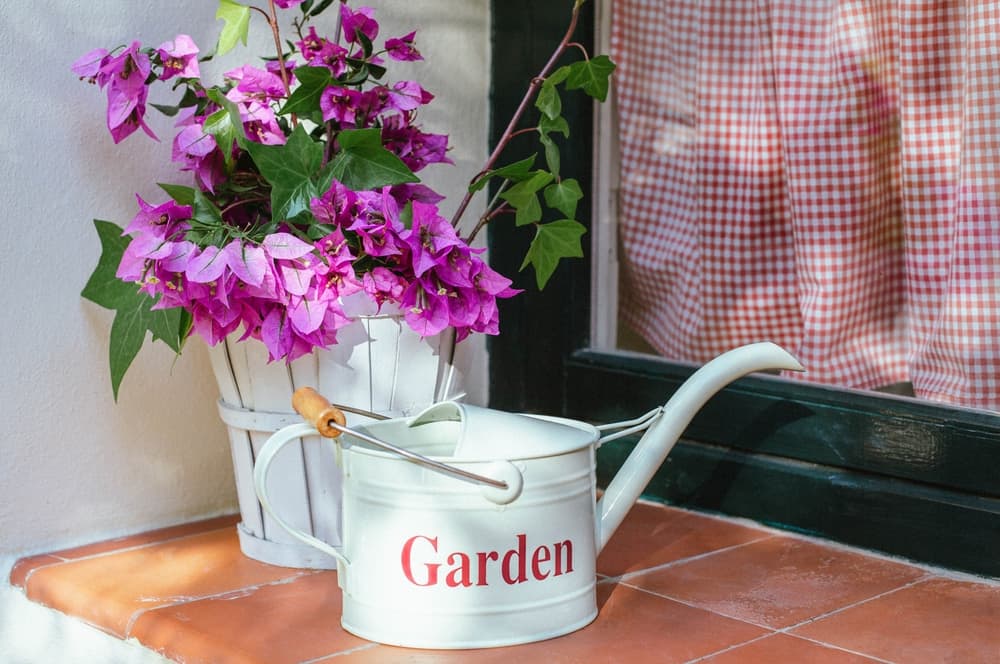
[675, 586]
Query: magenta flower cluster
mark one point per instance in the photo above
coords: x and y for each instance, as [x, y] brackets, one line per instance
[218, 252]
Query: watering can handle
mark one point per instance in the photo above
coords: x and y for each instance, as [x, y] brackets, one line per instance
[317, 411]
[330, 422]
[262, 463]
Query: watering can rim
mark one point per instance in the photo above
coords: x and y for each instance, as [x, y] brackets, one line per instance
[573, 435]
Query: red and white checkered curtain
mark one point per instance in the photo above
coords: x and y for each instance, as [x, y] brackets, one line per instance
[820, 173]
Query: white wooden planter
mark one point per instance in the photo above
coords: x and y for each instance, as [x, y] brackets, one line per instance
[392, 372]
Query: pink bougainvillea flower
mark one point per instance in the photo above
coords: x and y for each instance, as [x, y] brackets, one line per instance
[430, 238]
[206, 266]
[89, 64]
[254, 84]
[198, 152]
[285, 245]
[260, 124]
[126, 115]
[425, 309]
[247, 261]
[276, 334]
[407, 96]
[401, 48]
[125, 76]
[274, 67]
[321, 52]
[179, 58]
[415, 192]
[159, 220]
[126, 72]
[179, 257]
[362, 21]
[416, 148]
[340, 104]
[288, 284]
[307, 315]
[383, 285]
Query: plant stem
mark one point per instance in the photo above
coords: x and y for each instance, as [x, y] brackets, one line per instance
[508, 133]
[487, 218]
[272, 20]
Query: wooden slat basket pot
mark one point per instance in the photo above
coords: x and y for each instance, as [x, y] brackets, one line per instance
[391, 371]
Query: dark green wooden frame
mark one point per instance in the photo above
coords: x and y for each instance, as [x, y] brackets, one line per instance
[895, 475]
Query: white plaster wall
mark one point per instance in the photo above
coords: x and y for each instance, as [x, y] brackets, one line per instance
[76, 466]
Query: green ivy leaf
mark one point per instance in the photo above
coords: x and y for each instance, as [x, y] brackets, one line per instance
[523, 197]
[104, 288]
[363, 163]
[225, 131]
[237, 25]
[553, 242]
[318, 9]
[548, 125]
[290, 169]
[528, 211]
[548, 100]
[551, 153]
[182, 195]
[305, 99]
[559, 75]
[134, 314]
[517, 171]
[169, 111]
[127, 335]
[221, 126]
[591, 76]
[564, 196]
[205, 215]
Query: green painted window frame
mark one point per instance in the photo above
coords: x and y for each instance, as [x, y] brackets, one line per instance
[908, 478]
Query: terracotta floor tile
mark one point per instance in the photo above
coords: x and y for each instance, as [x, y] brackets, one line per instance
[107, 590]
[149, 537]
[189, 593]
[652, 535]
[25, 566]
[632, 626]
[938, 620]
[778, 582]
[281, 623]
[780, 648]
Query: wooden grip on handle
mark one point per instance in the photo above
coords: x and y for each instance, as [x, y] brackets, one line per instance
[316, 410]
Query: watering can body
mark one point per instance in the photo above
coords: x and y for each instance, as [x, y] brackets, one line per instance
[439, 563]
[434, 559]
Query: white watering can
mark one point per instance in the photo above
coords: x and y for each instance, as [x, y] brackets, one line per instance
[476, 528]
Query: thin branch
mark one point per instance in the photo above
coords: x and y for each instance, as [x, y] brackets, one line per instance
[488, 217]
[583, 49]
[536, 83]
[272, 21]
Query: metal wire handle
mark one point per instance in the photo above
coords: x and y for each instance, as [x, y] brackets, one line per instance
[330, 422]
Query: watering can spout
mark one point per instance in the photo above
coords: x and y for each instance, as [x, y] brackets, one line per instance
[675, 416]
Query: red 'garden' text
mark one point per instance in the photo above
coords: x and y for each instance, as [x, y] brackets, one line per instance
[424, 564]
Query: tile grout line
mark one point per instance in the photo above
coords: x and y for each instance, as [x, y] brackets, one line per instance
[768, 627]
[340, 653]
[692, 605]
[786, 630]
[624, 578]
[737, 646]
[102, 554]
[886, 593]
[235, 593]
[874, 658]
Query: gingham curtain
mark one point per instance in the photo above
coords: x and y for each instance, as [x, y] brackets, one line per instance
[821, 173]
